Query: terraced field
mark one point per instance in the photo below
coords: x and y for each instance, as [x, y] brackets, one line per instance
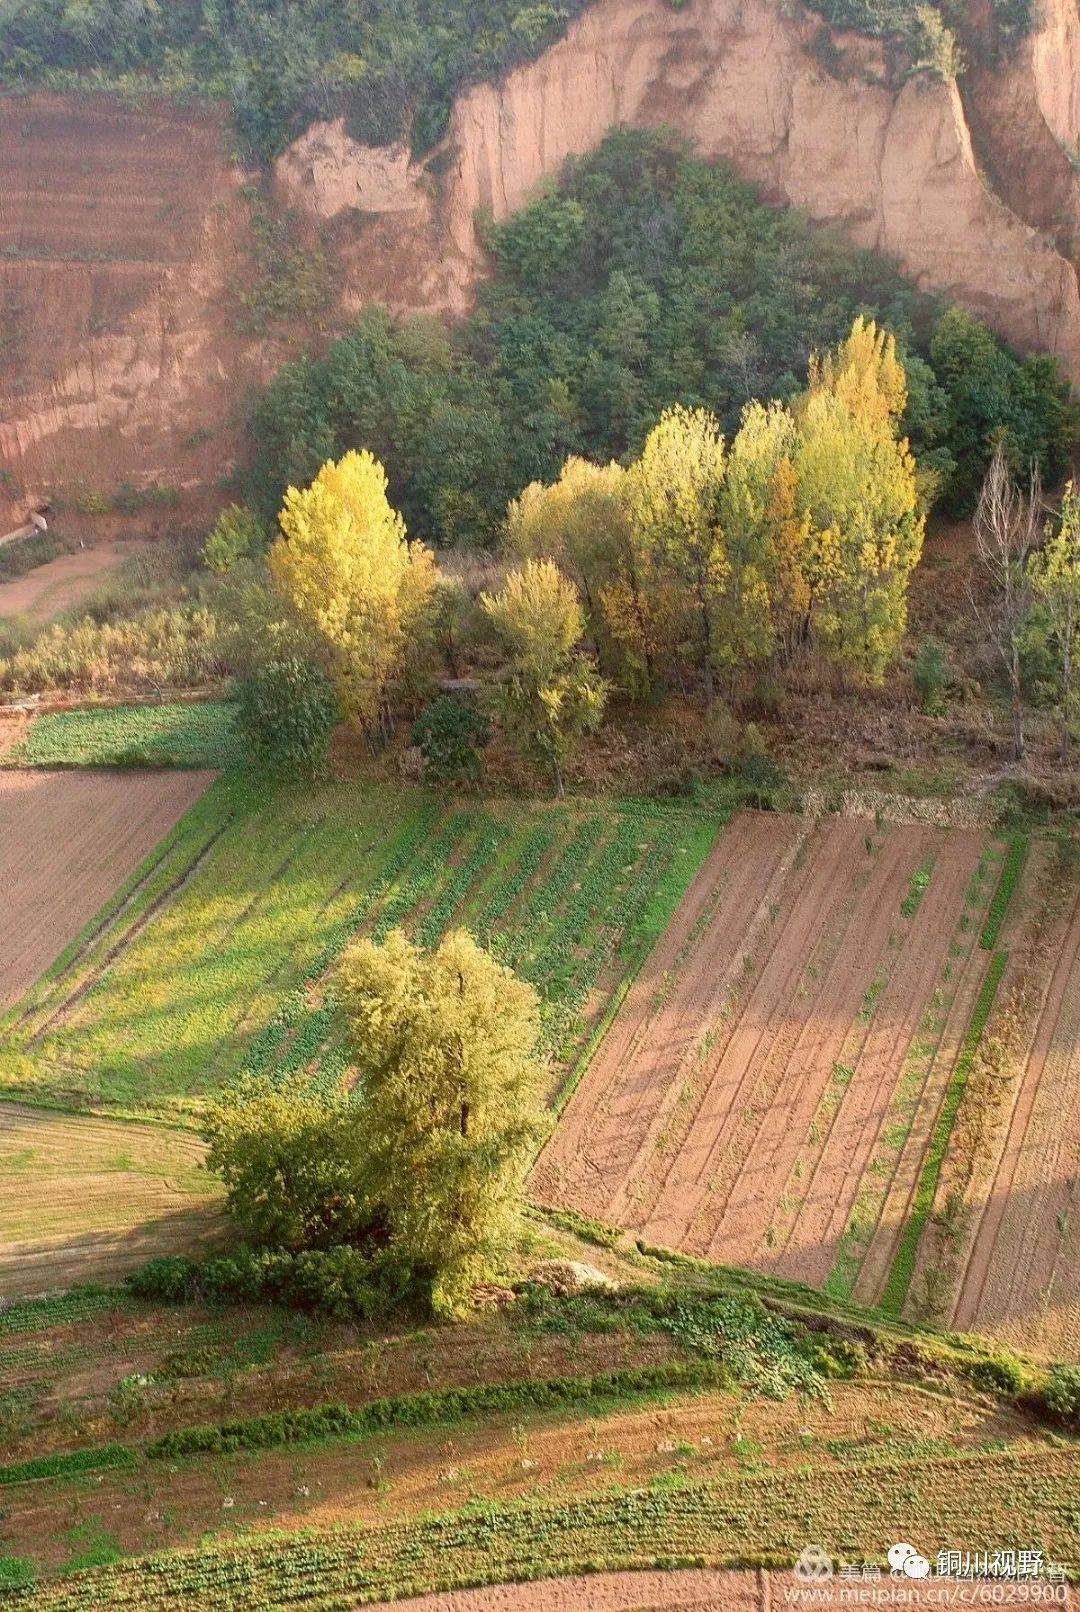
[217, 956]
[779, 1086]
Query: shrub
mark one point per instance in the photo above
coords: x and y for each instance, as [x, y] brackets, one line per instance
[1063, 1393]
[931, 676]
[346, 1282]
[237, 534]
[450, 736]
[293, 1163]
[998, 1376]
[285, 714]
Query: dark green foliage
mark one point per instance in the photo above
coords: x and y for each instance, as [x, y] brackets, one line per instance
[428, 1410]
[931, 676]
[646, 279]
[1063, 1393]
[282, 65]
[285, 714]
[450, 735]
[761, 1351]
[998, 1376]
[992, 395]
[107, 1457]
[345, 1282]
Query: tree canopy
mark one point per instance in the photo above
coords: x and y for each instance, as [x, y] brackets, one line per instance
[646, 279]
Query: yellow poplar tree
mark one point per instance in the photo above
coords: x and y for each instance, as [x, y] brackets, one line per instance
[674, 494]
[450, 1079]
[760, 536]
[1055, 577]
[344, 562]
[857, 489]
[552, 695]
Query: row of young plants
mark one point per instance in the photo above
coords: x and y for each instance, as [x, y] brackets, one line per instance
[984, 1500]
[1011, 869]
[903, 1265]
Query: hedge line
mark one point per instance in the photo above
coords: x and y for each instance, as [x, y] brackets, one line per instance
[1011, 869]
[66, 1463]
[429, 1409]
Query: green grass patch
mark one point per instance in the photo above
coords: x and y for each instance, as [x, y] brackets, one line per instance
[903, 1265]
[1009, 878]
[918, 885]
[68, 1463]
[177, 735]
[218, 956]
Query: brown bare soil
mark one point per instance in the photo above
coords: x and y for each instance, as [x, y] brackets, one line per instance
[1022, 1277]
[85, 1199]
[67, 840]
[709, 1120]
[62, 583]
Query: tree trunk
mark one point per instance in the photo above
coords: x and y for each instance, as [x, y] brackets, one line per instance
[1066, 690]
[1017, 705]
[706, 644]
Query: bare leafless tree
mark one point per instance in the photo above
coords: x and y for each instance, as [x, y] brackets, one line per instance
[1007, 529]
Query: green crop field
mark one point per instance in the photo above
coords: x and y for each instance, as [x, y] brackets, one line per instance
[171, 735]
[217, 956]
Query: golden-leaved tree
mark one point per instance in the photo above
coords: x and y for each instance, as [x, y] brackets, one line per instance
[345, 565]
[675, 511]
[857, 490]
[450, 1078]
[552, 694]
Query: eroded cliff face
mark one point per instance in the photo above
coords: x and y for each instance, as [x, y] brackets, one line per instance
[123, 232]
[893, 164]
[120, 233]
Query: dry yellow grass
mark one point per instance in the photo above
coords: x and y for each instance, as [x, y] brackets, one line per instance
[86, 1199]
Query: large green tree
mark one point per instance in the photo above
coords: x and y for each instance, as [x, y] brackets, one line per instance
[445, 1045]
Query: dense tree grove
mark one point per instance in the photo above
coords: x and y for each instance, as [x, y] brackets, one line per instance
[283, 63]
[647, 279]
[388, 65]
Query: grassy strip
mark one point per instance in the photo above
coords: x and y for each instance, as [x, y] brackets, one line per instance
[1011, 869]
[436, 1409]
[182, 734]
[903, 1265]
[66, 1463]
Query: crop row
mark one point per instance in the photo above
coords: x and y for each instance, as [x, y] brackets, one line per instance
[983, 1502]
[903, 1265]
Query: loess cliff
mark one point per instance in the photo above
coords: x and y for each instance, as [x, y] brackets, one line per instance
[120, 229]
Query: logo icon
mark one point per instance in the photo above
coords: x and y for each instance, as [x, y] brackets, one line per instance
[905, 1559]
[814, 1565]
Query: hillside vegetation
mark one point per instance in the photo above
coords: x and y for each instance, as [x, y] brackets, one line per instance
[391, 69]
[646, 278]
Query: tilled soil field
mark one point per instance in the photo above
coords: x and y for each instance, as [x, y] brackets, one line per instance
[767, 1089]
[67, 841]
[1021, 1277]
